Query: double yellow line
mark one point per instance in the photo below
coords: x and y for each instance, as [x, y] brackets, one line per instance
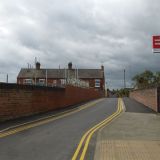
[45, 120]
[83, 145]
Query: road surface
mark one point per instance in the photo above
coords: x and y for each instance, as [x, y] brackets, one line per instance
[56, 140]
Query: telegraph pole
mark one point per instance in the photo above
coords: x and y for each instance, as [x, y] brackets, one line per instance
[46, 78]
[124, 78]
[7, 78]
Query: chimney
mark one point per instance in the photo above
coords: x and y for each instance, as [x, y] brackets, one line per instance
[102, 70]
[70, 65]
[38, 65]
[102, 67]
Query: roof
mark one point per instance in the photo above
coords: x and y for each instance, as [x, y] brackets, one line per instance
[59, 73]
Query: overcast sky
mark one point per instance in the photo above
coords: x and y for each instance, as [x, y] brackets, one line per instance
[117, 33]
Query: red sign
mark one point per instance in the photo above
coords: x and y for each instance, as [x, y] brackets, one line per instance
[156, 43]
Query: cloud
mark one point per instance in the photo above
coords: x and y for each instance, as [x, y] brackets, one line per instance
[116, 33]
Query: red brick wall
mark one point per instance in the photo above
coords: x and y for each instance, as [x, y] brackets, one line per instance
[148, 97]
[21, 100]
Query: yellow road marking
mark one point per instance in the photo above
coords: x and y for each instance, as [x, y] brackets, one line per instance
[90, 132]
[84, 137]
[123, 110]
[45, 120]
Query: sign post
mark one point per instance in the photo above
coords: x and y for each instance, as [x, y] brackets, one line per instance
[156, 44]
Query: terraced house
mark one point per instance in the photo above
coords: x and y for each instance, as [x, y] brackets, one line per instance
[92, 78]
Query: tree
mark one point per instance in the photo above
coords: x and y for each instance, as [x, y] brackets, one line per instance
[157, 78]
[146, 79]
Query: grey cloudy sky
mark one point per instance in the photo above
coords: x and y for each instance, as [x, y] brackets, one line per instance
[117, 33]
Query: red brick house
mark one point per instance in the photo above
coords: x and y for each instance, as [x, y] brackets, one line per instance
[52, 77]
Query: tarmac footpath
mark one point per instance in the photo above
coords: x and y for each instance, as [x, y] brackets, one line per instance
[134, 135]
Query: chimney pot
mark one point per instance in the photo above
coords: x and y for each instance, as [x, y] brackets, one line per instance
[102, 67]
[38, 65]
[70, 65]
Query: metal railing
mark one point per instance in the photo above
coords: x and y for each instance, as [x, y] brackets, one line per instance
[77, 82]
[62, 83]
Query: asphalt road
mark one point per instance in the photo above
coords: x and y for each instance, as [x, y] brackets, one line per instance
[56, 140]
[134, 106]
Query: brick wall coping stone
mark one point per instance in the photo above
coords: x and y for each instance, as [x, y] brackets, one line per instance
[33, 87]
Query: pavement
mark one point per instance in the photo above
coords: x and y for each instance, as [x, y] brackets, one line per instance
[134, 135]
[57, 139]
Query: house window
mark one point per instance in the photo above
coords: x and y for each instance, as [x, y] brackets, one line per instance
[28, 81]
[41, 82]
[97, 83]
[54, 82]
[63, 81]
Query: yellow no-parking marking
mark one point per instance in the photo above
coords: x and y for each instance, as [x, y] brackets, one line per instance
[41, 121]
[87, 136]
